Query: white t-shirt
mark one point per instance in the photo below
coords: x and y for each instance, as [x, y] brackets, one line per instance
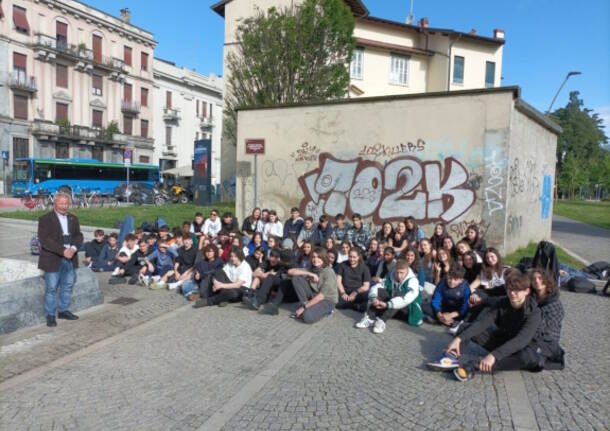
[242, 272]
[274, 229]
[496, 279]
[211, 228]
[128, 251]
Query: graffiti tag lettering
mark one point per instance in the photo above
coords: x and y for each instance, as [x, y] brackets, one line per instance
[306, 153]
[513, 225]
[459, 229]
[493, 189]
[524, 179]
[406, 186]
[381, 150]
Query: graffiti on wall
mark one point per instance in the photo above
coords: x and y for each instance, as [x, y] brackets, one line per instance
[523, 179]
[405, 186]
[545, 206]
[381, 150]
[494, 166]
[305, 153]
[513, 225]
[458, 230]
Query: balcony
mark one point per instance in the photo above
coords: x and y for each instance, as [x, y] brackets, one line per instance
[169, 151]
[20, 81]
[206, 122]
[86, 135]
[130, 107]
[171, 114]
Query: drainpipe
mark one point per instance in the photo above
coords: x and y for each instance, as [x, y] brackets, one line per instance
[459, 36]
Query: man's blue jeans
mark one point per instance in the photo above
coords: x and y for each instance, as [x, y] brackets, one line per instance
[62, 280]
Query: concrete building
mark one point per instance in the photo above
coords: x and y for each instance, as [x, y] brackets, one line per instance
[188, 106]
[392, 57]
[78, 82]
[481, 157]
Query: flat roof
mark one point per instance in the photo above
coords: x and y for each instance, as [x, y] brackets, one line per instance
[520, 104]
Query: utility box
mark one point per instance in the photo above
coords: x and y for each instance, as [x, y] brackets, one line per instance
[482, 157]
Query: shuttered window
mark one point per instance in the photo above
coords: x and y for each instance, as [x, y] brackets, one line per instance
[144, 96]
[61, 75]
[97, 48]
[20, 19]
[144, 128]
[21, 148]
[19, 62]
[127, 55]
[204, 109]
[61, 33]
[168, 136]
[144, 61]
[127, 92]
[96, 118]
[62, 150]
[97, 84]
[127, 125]
[61, 112]
[168, 99]
[20, 107]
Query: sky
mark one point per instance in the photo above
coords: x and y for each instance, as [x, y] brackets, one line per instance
[545, 39]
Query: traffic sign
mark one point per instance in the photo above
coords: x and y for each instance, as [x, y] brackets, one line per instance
[255, 146]
[127, 154]
[4, 155]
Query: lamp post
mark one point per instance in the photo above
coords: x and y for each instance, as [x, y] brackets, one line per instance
[572, 73]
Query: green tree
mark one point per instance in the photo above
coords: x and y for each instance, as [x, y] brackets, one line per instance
[582, 160]
[289, 55]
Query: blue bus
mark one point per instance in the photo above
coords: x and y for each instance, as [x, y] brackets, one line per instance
[77, 175]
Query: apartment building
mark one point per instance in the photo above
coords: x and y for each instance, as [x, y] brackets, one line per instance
[392, 57]
[78, 81]
[188, 106]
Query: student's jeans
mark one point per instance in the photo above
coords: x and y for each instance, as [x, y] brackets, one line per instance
[223, 295]
[387, 313]
[281, 283]
[62, 280]
[317, 311]
[358, 304]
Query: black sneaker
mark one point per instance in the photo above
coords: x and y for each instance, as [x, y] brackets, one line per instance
[67, 315]
[133, 280]
[251, 302]
[203, 302]
[223, 304]
[271, 309]
[51, 321]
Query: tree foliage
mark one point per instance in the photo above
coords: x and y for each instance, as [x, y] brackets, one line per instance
[295, 54]
[582, 161]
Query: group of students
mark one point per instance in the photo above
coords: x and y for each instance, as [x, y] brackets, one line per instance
[396, 273]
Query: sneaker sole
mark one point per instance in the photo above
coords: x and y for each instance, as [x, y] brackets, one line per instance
[435, 366]
[462, 375]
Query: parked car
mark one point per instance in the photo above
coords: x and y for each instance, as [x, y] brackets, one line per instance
[138, 194]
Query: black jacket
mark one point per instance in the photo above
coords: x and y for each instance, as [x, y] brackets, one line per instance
[519, 327]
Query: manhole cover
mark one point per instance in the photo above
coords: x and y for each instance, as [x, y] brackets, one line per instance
[124, 301]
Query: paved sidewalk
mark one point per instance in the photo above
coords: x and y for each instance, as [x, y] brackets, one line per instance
[589, 242]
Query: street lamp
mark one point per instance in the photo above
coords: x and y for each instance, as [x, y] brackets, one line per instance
[560, 87]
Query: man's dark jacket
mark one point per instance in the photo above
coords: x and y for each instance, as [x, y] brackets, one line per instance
[51, 240]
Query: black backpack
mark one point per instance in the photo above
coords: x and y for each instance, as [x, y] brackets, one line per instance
[599, 270]
[581, 285]
[546, 258]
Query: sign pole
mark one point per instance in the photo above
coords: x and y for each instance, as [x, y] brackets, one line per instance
[255, 177]
[255, 147]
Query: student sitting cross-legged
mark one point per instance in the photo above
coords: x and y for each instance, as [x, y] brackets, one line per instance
[353, 282]
[449, 302]
[316, 288]
[198, 286]
[397, 293]
[507, 331]
[228, 283]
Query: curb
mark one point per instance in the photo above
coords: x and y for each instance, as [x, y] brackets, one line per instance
[572, 254]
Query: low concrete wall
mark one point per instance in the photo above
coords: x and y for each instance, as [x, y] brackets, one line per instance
[22, 301]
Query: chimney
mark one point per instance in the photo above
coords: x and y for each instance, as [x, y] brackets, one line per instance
[473, 31]
[423, 23]
[125, 15]
[498, 33]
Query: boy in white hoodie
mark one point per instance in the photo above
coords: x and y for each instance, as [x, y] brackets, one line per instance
[397, 293]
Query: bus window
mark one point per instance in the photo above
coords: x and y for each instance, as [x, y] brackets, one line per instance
[43, 172]
[21, 170]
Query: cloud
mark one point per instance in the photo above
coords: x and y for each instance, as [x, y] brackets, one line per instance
[604, 114]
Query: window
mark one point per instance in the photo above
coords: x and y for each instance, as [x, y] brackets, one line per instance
[210, 114]
[458, 70]
[20, 107]
[127, 55]
[168, 99]
[127, 92]
[144, 159]
[21, 147]
[97, 48]
[168, 136]
[61, 75]
[61, 112]
[97, 153]
[144, 61]
[127, 125]
[144, 96]
[197, 105]
[19, 67]
[204, 109]
[20, 19]
[97, 118]
[399, 70]
[144, 128]
[62, 150]
[61, 34]
[97, 83]
[490, 74]
[356, 65]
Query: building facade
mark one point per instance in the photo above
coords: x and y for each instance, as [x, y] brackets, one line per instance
[78, 81]
[391, 58]
[188, 106]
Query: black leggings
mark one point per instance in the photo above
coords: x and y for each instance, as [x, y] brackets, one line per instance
[222, 295]
[388, 313]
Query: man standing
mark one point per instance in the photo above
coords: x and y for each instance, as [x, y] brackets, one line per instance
[60, 239]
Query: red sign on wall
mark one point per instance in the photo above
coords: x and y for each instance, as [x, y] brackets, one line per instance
[255, 146]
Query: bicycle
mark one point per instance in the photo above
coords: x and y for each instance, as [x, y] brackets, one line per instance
[32, 203]
[94, 200]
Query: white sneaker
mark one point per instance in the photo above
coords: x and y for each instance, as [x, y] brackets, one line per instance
[156, 278]
[365, 322]
[116, 271]
[379, 326]
[146, 280]
[455, 328]
[172, 286]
